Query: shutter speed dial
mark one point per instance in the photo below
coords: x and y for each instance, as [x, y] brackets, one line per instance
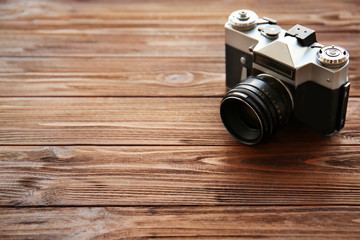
[332, 56]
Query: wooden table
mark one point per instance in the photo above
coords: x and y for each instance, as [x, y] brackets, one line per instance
[110, 127]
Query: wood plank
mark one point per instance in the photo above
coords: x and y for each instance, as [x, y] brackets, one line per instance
[164, 13]
[181, 223]
[152, 76]
[176, 76]
[108, 42]
[187, 82]
[138, 121]
[135, 65]
[272, 174]
[122, 41]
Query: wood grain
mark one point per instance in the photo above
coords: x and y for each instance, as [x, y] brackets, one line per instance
[164, 12]
[138, 42]
[154, 76]
[153, 175]
[188, 76]
[138, 121]
[181, 222]
[173, 31]
[139, 84]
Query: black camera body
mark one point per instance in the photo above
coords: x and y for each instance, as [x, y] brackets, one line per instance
[274, 75]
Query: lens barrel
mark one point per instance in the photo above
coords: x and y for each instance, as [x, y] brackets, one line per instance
[255, 108]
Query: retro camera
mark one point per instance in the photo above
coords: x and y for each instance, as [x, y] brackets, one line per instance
[275, 75]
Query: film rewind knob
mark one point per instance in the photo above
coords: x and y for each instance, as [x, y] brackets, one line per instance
[243, 19]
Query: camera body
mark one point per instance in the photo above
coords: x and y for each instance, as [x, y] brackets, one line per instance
[315, 76]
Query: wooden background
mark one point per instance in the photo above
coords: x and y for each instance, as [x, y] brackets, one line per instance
[110, 127]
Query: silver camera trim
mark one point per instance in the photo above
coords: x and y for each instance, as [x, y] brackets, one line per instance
[288, 51]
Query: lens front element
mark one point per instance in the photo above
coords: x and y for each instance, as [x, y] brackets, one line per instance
[241, 120]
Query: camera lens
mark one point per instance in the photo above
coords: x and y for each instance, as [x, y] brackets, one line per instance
[239, 117]
[254, 109]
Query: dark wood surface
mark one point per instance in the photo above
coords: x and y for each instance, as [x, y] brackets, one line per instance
[110, 127]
